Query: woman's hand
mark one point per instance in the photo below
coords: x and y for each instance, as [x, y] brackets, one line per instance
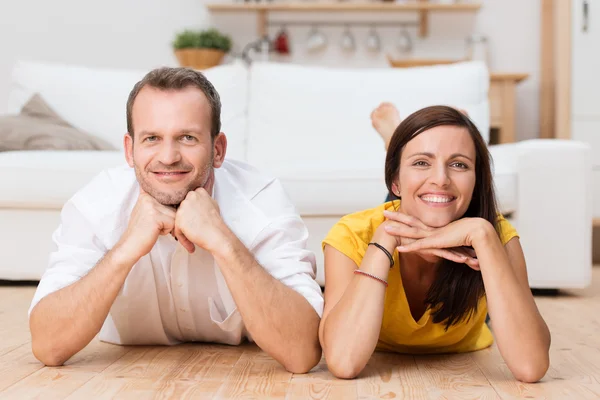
[408, 230]
[459, 236]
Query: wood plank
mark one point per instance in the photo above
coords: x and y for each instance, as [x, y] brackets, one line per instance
[17, 365]
[496, 371]
[319, 383]
[60, 382]
[146, 388]
[392, 376]
[48, 383]
[14, 329]
[212, 371]
[323, 6]
[454, 376]
[256, 375]
[321, 390]
[189, 370]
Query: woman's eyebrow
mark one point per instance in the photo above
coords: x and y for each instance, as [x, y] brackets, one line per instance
[426, 154]
[455, 155]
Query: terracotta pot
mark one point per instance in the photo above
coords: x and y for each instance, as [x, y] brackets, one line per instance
[199, 58]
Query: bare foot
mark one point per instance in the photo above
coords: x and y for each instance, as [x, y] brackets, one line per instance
[385, 119]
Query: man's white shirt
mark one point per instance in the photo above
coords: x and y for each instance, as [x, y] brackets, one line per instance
[171, 296]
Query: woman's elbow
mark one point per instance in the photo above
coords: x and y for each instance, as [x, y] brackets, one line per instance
[344, 370]
[532, 372]
[342, 366]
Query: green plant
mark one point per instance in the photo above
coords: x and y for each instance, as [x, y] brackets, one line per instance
[206, 39]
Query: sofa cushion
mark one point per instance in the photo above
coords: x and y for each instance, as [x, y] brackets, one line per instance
[38, 127]
[319, 189]
[310, 114]
[322, 188]
[94, 99]
[47, 179]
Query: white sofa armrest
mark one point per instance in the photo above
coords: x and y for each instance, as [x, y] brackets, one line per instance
[554, 211]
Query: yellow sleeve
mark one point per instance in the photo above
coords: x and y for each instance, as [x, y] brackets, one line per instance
[346, 241]
[505, 230]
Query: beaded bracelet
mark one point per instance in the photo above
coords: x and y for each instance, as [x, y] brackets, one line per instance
[358, 271]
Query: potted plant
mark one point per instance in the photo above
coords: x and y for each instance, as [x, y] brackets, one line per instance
[201, 49]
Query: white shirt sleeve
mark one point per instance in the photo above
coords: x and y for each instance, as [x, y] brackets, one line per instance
[281, 249]
[78, 250]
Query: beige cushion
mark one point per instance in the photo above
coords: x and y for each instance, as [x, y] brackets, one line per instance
[38, 127]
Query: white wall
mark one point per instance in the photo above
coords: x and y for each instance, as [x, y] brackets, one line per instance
[138, 33]
[107, 33]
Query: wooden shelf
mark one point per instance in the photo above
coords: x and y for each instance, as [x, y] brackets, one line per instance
[422, 7]
[418, 62]
[342, 6]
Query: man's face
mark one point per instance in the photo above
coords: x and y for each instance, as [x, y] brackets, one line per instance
[171, 149]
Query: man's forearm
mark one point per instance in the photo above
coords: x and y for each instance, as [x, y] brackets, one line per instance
[280, 320]
[64, 322]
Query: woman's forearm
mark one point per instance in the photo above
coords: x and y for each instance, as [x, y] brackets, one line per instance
[351, 330]
[522, 335]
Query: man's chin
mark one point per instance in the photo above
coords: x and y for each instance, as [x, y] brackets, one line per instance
[168, 198]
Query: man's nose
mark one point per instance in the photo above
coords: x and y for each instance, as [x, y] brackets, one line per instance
[169, 153]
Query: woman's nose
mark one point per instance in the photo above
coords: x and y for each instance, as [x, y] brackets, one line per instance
[440, 176]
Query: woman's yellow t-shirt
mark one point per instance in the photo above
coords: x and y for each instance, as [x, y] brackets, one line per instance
[399, 331]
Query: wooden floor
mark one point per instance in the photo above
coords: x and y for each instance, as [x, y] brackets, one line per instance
[210, 371]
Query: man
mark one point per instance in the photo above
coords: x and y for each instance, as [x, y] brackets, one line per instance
[184, 247]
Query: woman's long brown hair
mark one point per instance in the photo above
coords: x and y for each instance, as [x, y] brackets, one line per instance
[456, 290]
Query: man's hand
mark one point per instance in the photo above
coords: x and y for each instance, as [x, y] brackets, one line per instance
[149, 220]
[199, 219]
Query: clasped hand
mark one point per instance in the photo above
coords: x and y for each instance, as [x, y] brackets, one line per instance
[197, 222]
[453, 242]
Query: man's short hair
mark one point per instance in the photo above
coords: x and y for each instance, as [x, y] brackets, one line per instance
[167, 78]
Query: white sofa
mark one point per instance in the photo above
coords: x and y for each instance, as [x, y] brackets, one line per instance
[310, 127]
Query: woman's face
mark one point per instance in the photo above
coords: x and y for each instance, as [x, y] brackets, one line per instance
[437, 175]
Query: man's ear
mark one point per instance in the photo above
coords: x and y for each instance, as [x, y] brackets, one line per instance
[128, 146]
[219, 148]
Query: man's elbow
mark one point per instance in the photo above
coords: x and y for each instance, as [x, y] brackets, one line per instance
[303, 362]
[48, 355]
[48, 350]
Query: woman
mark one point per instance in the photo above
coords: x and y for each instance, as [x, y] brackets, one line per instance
[420, 273]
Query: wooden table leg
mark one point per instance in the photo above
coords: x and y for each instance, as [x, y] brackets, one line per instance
[507, 134]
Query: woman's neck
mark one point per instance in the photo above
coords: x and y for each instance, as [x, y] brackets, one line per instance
[417, 268]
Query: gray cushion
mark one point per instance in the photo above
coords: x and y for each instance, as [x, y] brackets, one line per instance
[38, 127]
